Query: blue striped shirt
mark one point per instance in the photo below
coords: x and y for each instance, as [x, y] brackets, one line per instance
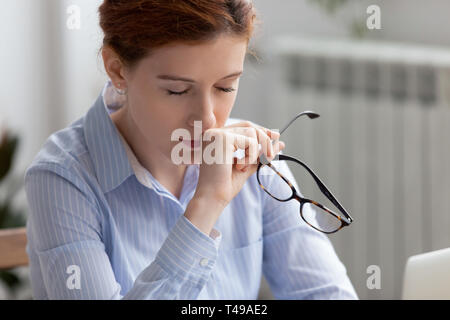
[100, 226]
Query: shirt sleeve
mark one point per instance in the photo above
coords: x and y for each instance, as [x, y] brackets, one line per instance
[299, 262]
[64, 230]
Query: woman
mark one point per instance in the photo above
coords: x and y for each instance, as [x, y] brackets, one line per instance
[113, 215]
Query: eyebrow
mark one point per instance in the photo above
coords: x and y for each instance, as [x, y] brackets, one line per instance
[176, 78]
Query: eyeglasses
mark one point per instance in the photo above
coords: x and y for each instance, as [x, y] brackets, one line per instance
[313, 213]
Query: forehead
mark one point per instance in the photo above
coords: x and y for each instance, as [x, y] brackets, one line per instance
[220, 57]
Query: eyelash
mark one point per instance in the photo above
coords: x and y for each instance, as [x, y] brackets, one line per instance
[227, 90]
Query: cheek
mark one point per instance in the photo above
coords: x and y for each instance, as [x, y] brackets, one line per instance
[149, 120]
[154, 117]
[223, 112]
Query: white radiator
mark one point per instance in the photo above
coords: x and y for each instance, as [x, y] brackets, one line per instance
[381, 145]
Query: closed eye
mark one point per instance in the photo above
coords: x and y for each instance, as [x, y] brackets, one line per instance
[170, 92]
[227, 89]
[177, 93]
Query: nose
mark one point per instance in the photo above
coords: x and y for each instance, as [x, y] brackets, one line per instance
[204, 113]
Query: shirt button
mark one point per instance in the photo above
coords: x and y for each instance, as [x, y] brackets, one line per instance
[204, 262]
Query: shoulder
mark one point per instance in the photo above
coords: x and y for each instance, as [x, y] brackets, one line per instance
[63, 147]
[63, 154]
[61, 187]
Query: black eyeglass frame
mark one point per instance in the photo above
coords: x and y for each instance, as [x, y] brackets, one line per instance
[345, 220]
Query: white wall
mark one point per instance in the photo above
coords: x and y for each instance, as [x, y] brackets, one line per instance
[414, 21]
[23, 65]
[51, 74]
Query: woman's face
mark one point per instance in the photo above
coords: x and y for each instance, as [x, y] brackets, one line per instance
[179, 84]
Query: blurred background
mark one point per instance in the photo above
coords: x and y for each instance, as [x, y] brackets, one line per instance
[381, 143]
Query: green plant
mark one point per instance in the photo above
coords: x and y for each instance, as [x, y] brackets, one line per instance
[357, 26]
[330, 5]
[10, 217]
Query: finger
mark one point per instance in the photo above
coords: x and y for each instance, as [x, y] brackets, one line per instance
[273, 134]
[250, 145]
[262, 134]
[266, 142]
[241, 134]
[230, 142]
[245, 123]
[278, 146]
[246, 131]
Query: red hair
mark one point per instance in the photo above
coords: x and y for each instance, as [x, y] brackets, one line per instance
[132, 28]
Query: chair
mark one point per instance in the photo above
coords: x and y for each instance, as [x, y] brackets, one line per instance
[12, 248]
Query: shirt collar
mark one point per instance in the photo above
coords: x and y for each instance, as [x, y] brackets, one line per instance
[103, 142]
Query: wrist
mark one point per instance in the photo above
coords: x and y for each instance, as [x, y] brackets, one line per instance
[203, 212]
[212, 200]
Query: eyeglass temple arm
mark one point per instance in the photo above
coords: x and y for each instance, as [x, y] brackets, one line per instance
[321, 185]
[310, 114]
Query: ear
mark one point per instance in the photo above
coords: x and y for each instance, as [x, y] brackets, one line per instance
[114, 67]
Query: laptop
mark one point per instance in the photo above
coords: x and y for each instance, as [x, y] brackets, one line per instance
[427, 276]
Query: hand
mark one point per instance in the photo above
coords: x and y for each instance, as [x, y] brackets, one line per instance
[221, 182]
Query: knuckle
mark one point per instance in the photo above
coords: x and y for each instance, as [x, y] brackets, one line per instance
[252, 132]
[254, 144]
[253, 140]
[228, 137]
[264, 134]
[210, 132]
